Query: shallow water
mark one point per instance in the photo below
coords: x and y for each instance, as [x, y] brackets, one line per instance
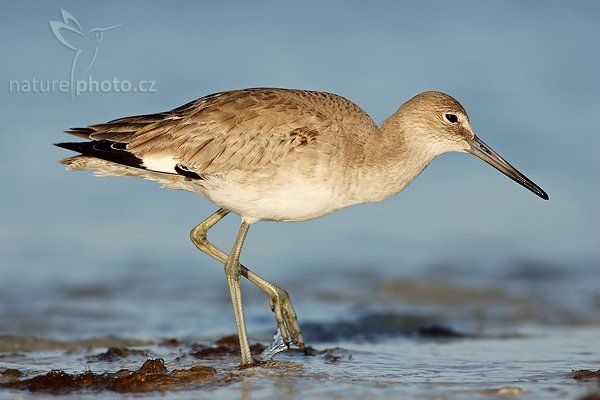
[374, 335]
[536, 364]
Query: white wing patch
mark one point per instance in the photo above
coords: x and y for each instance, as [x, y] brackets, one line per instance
[160, 164]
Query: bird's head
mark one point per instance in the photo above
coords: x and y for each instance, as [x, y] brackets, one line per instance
[442, 124]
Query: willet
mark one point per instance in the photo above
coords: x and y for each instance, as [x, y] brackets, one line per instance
[280, 155]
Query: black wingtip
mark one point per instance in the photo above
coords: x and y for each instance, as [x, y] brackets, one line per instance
[106, 150]
[74, 146]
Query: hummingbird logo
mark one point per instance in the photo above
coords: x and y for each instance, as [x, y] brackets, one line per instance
[85, 45]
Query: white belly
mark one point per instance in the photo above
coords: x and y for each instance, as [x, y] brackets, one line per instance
[295, 198]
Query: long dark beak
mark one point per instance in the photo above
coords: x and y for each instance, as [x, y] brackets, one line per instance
[483, 151]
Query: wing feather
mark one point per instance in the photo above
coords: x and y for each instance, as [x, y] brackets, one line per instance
[236, 130]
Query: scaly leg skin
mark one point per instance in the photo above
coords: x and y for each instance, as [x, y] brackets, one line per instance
[281, 305]
[233, 273]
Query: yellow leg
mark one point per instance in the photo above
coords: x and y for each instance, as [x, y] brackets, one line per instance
[233, 273]
[279, 299]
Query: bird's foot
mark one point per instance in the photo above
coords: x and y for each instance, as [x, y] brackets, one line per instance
[287, 321]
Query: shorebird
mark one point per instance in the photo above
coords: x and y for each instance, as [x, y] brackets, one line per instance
[280, 155]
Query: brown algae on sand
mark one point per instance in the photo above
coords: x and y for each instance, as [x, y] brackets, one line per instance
[586, 375]
[225, 346]
[116, 353]
[151, 376]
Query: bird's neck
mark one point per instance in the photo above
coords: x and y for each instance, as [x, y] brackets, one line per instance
[393, 157]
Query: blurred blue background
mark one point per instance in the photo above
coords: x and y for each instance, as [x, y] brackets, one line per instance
[528, 73]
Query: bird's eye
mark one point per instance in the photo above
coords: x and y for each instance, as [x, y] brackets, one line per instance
[452, 118]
